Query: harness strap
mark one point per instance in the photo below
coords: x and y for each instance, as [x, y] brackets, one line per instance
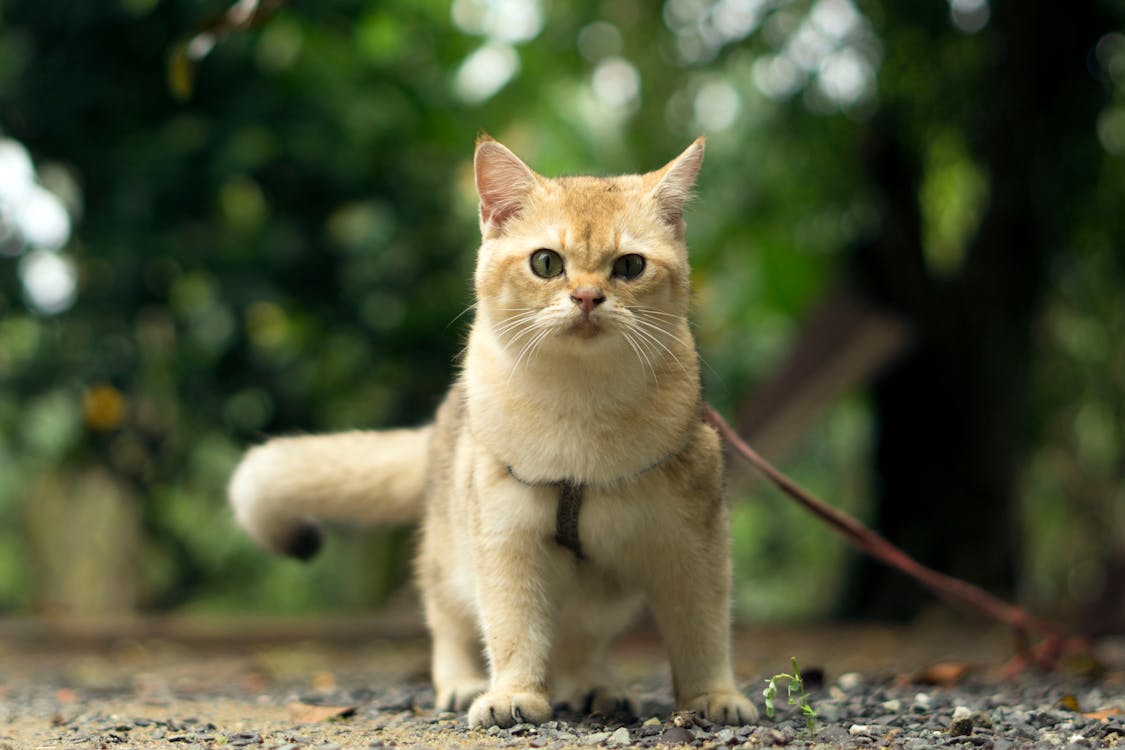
[570, 504]
[566, 520]
[566, 516]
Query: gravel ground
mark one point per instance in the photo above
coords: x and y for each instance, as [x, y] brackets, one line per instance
[300, 695]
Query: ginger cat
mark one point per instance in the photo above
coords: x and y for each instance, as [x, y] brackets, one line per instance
[568, 478]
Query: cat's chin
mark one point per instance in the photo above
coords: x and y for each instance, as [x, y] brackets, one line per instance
[586, 329]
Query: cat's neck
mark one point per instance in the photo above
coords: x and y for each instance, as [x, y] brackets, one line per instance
[587, 411]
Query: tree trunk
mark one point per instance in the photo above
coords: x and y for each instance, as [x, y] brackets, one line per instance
[953, 417]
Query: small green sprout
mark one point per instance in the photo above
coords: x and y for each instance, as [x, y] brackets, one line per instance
[795, 690]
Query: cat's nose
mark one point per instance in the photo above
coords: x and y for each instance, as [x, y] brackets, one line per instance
[587, 299]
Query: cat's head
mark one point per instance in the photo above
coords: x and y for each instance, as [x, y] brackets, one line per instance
[582, 261]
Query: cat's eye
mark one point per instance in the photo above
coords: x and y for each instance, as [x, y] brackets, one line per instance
[546, 263]
[628, 266]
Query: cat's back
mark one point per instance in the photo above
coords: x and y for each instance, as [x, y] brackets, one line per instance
[449, 423]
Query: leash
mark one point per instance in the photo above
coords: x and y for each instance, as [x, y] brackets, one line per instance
[1045, 654]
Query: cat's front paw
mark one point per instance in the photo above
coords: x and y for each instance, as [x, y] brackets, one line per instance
[503, 708]
[724, 707]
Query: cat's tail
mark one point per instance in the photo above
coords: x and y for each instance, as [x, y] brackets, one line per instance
[285, 487]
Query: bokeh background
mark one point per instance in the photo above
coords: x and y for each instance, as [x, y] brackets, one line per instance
[221, 221]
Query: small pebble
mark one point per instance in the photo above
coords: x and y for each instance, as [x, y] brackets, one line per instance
[961, 727]
[849, 680]
[619, 738]
[893, 706]
[918, 744]
[676, 736]
[831, 733]
[770, 737]
[596, 738]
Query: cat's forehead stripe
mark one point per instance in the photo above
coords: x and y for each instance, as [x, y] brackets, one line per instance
[588, 242]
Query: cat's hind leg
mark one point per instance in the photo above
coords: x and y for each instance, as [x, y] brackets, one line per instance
[582, 680]
[457, 668]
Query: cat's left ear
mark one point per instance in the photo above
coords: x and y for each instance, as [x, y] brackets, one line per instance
[675, 183]
[503, 184]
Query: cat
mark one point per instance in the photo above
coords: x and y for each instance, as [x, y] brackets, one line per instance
[568, 478]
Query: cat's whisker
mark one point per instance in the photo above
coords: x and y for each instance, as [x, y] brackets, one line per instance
[461, 314]
[543, 332]
[514, 322]
[522, 315]
[540, 331]
[511, 325]
[668, 322]
[645, 342]
[501, 331]
[642, 358]
[531, 330]
[537, 345]
[654, 311]
[652, 337]
[656, 323]
[659, 328]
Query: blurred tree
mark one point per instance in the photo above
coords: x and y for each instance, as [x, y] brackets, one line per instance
[982, 164]
[280, 242]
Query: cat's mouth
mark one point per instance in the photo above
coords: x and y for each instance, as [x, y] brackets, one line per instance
[585, 328]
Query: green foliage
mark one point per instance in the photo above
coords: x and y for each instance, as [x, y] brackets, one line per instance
[280, 240]
[954, 193]
[795, 695]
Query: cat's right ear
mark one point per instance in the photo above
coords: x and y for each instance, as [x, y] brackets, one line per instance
[503, 184]
[675, 182]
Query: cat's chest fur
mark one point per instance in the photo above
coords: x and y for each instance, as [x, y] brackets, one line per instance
[582, 420]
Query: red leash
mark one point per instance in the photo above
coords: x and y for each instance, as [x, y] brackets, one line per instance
[1023, 624]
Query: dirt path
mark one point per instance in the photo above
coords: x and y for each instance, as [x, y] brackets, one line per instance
[328, 685]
